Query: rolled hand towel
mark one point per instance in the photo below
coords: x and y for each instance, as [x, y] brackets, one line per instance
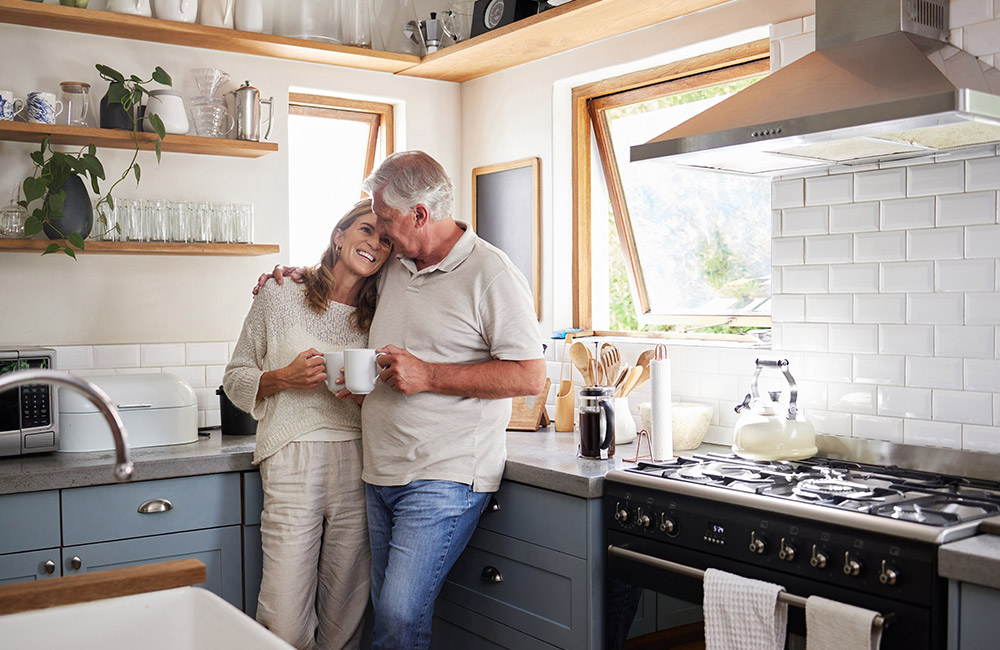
[743, 614]
[831, 625]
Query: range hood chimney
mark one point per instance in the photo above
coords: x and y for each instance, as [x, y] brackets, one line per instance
[883, 84]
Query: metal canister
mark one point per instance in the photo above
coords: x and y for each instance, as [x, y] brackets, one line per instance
[248, 115]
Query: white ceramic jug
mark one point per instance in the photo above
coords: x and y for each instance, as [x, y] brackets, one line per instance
[169, 107]
[132, 7]
[217, 13]
[182, 11]
[249, 15]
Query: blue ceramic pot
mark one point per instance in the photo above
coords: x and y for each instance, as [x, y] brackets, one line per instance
[79, 213]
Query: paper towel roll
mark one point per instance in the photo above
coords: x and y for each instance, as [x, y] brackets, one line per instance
[660, 407]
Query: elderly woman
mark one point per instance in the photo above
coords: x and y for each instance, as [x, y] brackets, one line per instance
[315, 539]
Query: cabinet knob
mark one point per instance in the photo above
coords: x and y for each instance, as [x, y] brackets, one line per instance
[493, 505]
[492, 575]
[154, 505]
[76, 562]
[49, 567]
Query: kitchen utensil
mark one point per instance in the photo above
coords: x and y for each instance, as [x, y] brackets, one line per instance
[361, 370]
[334, 362]
[42, 107]
[248, 113]
[75, 96]
[611, 361]
[457, 21]
[356, 23]
[645, 357]
[622, 374]
[169, 107]
[765, 430]
[208, 80]
[12, 221]
[579, 354]
[564, 394]
[130, 7]
[592, 369]
[235, 422]
[315, 20]
[217, 13]
[210, 118]
[181, 11]
[629, 383]
[597, 422]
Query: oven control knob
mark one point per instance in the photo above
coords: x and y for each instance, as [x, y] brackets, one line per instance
[786, 552]
[667, 525]
[756, 544]
[889, 575]
[641, 518]
[818, 559]
[621, 516]
[851, 566]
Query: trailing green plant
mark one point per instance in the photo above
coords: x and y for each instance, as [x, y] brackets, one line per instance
[52, 168]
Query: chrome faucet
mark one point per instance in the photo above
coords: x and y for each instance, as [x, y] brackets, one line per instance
[100, 399]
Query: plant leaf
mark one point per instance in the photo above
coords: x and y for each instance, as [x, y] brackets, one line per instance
[34, 188]
[75, 239]
[157, 125]
[137, 172]
[117, 93]
[69, 251]
[160, 76]
[52, 248]
[92, 149]
[38, 157]
[137, 96]
[32, 226]
[56, 203]
[110, 73]
[159, 152]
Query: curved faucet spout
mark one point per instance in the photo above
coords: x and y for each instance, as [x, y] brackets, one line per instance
[100, 399]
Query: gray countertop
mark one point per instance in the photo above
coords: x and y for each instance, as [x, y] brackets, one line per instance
[542, 458]
[974, 559]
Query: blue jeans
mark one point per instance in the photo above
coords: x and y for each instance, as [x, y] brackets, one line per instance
[416, 531]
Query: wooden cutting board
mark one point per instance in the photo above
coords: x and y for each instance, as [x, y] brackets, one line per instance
[85, 587]
[530, 418]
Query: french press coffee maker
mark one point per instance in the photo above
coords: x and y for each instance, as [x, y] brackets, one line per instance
[597, 421]
[248, 113]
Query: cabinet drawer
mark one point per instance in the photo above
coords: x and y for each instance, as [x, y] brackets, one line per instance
[29, 521]
[541, 592]
[107, 512]
[550, 519]
[25, 567]
[253, 498]
[456, 627]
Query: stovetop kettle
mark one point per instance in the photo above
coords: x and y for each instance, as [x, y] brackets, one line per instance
[248, 113]
[766, 430]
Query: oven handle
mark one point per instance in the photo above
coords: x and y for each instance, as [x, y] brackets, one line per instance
[881, 620]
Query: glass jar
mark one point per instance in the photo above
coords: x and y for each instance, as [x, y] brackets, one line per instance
[12, 221]
[75, 96]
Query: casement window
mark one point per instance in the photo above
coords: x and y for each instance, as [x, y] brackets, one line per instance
[333, 144]
[667, 245]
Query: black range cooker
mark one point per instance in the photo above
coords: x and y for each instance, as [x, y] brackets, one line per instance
[862, 533]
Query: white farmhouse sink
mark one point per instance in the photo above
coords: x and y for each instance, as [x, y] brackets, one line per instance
[186, 618]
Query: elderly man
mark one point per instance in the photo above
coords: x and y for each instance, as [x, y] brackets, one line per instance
[456, 321]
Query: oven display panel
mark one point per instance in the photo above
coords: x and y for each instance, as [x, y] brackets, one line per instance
[715, 533]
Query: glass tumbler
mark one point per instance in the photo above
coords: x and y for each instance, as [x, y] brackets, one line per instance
[135, 226]
[180, 221]
[12, 221]
[106, 222]
[243, 232]
[201, 221]
[154, 220]
[222, 222]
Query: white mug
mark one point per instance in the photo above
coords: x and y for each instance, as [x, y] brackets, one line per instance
[361, 370]
[8, 105]
[42, 107]
[334, 362]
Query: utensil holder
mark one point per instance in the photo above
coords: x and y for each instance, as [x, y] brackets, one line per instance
[564, 406]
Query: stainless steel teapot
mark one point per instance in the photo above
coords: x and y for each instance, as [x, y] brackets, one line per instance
[765, 430]
[248, 113]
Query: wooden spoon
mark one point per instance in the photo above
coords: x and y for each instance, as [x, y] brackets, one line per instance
[630, 381]
[643, 362]
[579, 354]
[620, 379]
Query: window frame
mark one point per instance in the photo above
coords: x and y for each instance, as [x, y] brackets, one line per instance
[730, 64]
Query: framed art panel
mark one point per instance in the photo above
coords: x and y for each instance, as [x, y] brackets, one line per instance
[506, 201]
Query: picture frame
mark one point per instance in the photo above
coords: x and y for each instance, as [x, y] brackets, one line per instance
[506, 205]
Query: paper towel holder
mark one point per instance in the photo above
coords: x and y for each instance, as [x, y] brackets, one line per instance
[643, 434]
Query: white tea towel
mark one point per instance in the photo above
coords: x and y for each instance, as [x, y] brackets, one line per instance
[743, 614]
[831, 625]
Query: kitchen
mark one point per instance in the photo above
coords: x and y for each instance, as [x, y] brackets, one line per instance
[201, 300]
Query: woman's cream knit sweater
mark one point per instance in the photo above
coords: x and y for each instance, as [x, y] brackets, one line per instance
[279, 326]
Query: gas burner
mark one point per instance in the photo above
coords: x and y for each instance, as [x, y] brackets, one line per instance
[826, 489]
[726, 473]
[937, 510]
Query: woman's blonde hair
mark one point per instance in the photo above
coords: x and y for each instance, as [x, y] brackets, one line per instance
[319, 280]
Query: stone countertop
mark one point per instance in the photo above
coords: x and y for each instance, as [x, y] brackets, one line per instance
[974, 559]
[543, 458]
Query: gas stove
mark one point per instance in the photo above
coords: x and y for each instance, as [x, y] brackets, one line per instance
[855, 524]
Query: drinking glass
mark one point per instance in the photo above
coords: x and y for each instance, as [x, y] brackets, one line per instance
[108, 230]
[201, 221]
[243, 232]
[222, 223]
[155, 220]
[135, 227]
[180, 221]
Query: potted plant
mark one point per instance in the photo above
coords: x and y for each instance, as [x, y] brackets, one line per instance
[57, 180]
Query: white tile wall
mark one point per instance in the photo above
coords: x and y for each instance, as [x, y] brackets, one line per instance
[902, 214]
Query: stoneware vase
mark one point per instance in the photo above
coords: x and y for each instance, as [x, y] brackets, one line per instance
[77, 208]
[114, 116]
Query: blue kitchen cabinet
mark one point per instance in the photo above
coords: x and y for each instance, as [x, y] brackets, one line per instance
[128, 524]
[977, 611]
[531, 577]
[29, 536]
[253, 556]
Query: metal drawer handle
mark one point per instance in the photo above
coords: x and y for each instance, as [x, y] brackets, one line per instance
[76, 562]
[493, 505]
[153, 506]
[49, 566]
[126, 407]
[492, 575]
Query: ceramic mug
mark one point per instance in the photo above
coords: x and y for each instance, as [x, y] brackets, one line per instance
[217, 13]
[42, 107]
[334, 363]
[130, 7]
[182, 11]
[9, 106]
[361, 370]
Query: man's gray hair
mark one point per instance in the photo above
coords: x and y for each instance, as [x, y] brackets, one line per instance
[407, 178]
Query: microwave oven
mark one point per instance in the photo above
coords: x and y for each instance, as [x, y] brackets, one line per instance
[29, 414]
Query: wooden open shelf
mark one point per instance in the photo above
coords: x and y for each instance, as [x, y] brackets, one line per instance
[144, 248]
[120, 139]
[106, 23]
[553, 31]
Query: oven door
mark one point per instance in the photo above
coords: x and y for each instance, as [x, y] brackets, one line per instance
[911, 627]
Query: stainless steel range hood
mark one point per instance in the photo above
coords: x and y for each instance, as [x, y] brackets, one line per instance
[883, 84]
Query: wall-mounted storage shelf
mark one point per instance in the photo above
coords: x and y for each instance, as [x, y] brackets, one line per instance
[119, 139]
[144, 248]
[557, 30]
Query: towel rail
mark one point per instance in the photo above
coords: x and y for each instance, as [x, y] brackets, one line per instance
[880, 620]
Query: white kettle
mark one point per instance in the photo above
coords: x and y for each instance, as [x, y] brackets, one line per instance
[765, 430]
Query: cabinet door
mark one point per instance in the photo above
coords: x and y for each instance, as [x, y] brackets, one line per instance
[29, 521]
[977, 618]
[33, 565]
[253, 569]
[455, 627]
[217, 548]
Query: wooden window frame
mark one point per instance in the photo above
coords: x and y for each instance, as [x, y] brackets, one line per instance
[749, 58]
